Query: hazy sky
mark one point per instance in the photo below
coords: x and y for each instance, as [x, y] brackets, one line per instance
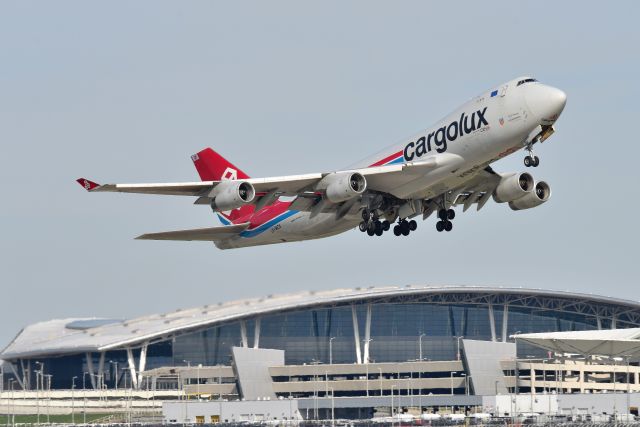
[127, 91]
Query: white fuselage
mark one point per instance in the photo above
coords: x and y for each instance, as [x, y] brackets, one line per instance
[486, 128]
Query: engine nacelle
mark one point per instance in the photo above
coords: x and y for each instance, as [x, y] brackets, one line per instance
[537, 197]
[340, 187]
[513, 187]
[229, 195]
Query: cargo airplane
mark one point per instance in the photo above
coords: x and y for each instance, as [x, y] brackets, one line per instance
[438, 169]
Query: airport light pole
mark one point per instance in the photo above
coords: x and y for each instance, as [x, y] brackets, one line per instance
[37, 372]
[626, 414]
[451, 375]
[333, 406]
[615, 408]
[9, 400]
[115, 363]
[420, 346]
[73, 412]
[331, 350]
[366, 370]
[198, 378]
[48, 397]
[392, 407]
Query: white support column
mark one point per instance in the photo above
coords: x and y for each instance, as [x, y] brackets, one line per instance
[92, 373]
[256, 334]
[21, 380]
[25, 378]
[532, 382]
[243, 333]
[142, 364]
[505, 322]
[132, 368]
[613, 321]
[356, 334]
[492, 323]
[367, 334]
[599, 322]
[100, 375]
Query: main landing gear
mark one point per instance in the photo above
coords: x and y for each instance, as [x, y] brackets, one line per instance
[531, 160]
[445, 224]
[372, 225]
[405, 227]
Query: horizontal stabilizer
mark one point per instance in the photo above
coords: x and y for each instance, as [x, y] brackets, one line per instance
[198, 234]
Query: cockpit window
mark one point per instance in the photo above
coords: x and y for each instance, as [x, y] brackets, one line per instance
[521, 82]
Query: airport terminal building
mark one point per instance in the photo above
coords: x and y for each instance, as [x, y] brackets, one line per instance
[416, 340]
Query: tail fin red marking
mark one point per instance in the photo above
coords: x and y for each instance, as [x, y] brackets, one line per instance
[211, 166]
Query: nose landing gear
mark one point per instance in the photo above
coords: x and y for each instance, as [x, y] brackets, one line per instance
[531, 160]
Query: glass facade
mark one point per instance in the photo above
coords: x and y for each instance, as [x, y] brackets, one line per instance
[399, 331]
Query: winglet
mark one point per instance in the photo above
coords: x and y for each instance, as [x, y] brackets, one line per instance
[87, 184]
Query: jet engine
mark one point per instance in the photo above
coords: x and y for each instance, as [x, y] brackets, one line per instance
[541, 194]
[513, 187]
[340, 187]
[229, 195]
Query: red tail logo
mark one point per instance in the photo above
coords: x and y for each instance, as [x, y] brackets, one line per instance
[211, 166]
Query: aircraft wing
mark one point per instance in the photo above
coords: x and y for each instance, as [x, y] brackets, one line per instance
[379, 178]
[478, 190]
[210, 234]
[284, 185]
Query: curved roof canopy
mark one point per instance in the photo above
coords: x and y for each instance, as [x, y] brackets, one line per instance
[69, 336]
[608, 342]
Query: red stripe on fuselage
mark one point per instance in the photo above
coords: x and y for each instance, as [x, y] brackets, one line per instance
[387, 159]
[265, 214]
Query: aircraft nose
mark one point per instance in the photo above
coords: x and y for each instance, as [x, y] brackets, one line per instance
[545, 102]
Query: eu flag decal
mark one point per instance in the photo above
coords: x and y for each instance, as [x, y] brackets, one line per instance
[494, 93]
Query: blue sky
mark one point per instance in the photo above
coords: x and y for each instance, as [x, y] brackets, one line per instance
[127, 91]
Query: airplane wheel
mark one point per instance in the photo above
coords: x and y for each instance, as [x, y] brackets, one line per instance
[371, 232]
[413, 225]
[439, 226]
[386, 225]
[536, 161]
[448, 226]
[442, 214]
[396, 230]
[362, 226]
[528, 161]
[451, 214]
[404, 228]
[371, 226]
[366, 214]
[379, 231]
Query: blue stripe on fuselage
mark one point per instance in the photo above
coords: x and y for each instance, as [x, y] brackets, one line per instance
[396, 161]
[267, 225]
[223, 220]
